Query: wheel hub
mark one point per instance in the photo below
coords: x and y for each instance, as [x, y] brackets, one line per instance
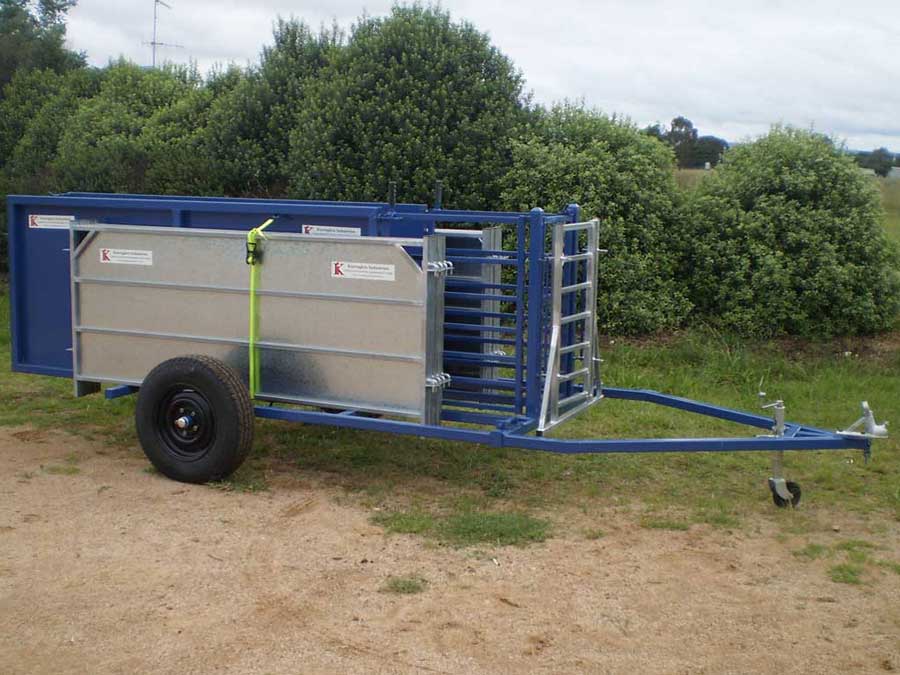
[186, 423]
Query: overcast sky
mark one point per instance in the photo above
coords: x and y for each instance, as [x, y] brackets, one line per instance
[734, 67]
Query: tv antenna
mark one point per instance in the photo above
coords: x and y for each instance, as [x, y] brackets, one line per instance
[156, 43]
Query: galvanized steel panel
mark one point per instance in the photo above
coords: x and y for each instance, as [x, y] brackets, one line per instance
[143, 295]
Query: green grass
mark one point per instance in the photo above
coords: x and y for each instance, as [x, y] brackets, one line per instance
[857, 559]
[406, 522]
[501, 529]
[689, 178]
[811, 552]
[406, 585]
[890, 565]
[854, 546]
[61, 469]
[846, 573]
[250, 477]
[68, 468]
[468, 527]
[890, 197]
[663, 523]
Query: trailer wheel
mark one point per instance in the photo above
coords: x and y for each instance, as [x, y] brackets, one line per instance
[794, 489]
[194, 419]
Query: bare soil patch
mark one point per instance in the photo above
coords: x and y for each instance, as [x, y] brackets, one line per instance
[113, 569]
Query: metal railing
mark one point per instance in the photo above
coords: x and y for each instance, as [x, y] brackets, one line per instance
[572, 375]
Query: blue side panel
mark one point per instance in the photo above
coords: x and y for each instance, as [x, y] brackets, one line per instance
[40, 308]
[40, 313]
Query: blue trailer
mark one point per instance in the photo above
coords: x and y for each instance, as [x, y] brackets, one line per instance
[466, 325]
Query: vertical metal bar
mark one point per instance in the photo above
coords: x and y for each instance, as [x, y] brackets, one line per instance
[548, 414]
[590, 300]
[432, 404]
[559, 242]
[520, 309]
[440, 249]
[81, 388]
[570, 272]
[778, 464]
[535, 312]
[75, 318]
[491, 240]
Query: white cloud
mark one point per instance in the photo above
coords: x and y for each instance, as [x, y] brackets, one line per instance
[733, 67]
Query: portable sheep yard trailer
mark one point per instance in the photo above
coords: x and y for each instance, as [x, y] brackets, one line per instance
[466, 325]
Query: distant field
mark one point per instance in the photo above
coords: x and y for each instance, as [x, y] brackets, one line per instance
[688, 178]
[890, 195]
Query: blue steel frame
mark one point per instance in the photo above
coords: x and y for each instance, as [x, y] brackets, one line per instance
[512, 416]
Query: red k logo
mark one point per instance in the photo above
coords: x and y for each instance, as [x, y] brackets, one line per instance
[32, 221]
[337, 272]
[307, 229]
[104, 255]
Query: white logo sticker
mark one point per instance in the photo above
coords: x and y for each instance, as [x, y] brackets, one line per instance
[342, 269]
[125, 256]
[330, 231]
[48, 222]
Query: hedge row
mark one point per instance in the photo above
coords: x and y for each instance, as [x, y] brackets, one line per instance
[783, 237]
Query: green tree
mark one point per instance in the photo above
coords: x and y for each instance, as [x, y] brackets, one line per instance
[174, 143]
[691, 150]
[39, 127]
[682, 136]
[25, 95]
[413, 97]
[32, 36]
[880, 161]
[786, 237]
[32, 117]
[625, 178]
[104, 146]
[657, 131]
[250, 123]
[708, 149]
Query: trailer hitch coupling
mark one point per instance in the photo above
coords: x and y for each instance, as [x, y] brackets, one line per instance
[871, 429]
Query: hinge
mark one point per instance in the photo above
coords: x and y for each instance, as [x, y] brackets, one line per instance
[440, 267]
[437, 381]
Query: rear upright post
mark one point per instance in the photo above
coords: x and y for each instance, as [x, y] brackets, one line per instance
[535, 313]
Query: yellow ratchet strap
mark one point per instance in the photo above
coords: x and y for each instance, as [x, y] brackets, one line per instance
[254, 258]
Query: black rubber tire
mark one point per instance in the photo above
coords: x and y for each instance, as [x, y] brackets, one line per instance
[220, 441]
[794, 489]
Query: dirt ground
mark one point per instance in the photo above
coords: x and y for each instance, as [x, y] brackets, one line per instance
[112, 569]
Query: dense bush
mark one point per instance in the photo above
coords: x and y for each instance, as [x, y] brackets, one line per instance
[413, 97]
[111, 141]
[250, 124]
[626, 179]
[40, 127]
[785, 237]
[28, 91]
